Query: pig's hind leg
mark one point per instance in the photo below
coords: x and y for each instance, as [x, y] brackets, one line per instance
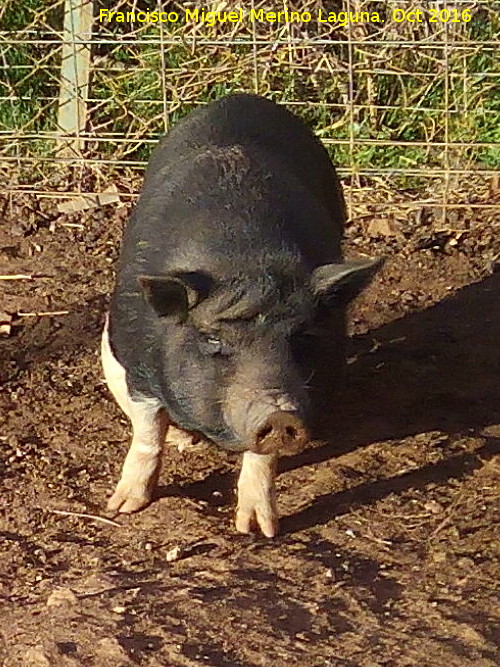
[257, 494]
[149, 426]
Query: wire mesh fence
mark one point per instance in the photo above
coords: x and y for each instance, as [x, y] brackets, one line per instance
[405, 95]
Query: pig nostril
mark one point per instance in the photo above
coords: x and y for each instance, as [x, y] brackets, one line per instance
[281, 433]
[264, 432]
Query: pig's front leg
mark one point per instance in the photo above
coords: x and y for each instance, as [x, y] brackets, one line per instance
[149, 426]
[142, 464]
[257, 494]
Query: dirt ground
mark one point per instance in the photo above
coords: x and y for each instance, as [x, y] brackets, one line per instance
[388, 550]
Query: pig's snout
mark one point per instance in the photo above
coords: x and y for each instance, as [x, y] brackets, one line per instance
[280, 433]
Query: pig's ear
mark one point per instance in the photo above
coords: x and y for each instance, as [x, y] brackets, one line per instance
[174, 294]
[167, 296]
[336, 284]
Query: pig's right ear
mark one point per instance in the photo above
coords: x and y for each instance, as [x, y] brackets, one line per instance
[336, 284]
[173, 295]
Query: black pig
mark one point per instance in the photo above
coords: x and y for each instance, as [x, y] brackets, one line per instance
[230, 296]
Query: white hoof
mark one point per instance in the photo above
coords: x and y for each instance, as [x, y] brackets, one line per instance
[263, 516]
[128, 498]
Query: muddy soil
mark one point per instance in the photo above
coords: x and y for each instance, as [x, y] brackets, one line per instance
[388, 550]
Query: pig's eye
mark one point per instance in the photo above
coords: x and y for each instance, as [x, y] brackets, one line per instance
[304, 336]
[302, 342]
[212, 346]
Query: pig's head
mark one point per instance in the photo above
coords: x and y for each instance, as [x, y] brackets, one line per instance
[235, 353]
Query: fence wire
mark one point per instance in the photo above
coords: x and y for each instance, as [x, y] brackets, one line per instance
[409, 109]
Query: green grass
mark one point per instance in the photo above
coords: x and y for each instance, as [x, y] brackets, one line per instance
[32, 90]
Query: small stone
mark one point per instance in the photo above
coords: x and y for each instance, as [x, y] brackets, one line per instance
[119, 609]
[5, 323]
[61, 597]
[433, 507]
[173, 554]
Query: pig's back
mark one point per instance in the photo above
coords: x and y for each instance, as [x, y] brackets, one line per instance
[252, 120]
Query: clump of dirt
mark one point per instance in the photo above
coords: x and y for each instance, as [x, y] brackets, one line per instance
[387, 551]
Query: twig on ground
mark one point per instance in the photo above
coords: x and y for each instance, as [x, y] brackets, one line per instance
[83, 515]
[18, 276]
[44, 313]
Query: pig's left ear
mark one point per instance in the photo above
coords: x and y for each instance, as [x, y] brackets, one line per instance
[336, 284]
[175, 294]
